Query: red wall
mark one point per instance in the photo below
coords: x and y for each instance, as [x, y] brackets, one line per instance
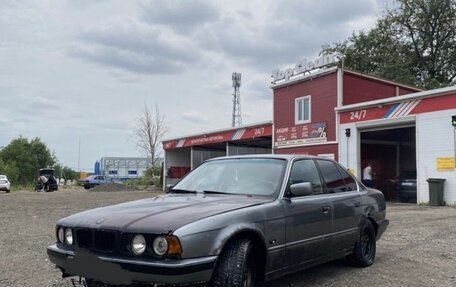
[323, 91]
[358, 89]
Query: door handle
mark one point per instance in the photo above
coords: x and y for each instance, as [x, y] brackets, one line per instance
[325, 209]
[357, 204]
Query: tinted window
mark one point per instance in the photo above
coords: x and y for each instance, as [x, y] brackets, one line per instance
[306, 171]
[334, 181]
[349, 180]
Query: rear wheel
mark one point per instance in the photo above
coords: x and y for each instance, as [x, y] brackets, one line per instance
[236, 266]
[365, 248]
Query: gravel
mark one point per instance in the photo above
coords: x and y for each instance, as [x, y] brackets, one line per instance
[112, 187]
[418, 248]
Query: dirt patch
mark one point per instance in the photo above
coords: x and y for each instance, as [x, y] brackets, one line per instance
[418, 248]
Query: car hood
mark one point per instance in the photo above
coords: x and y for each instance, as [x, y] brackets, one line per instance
[160, 214]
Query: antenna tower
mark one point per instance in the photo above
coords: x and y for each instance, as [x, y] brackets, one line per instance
[237, 117]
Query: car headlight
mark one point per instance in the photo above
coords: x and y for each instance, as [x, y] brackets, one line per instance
[138, 244]
[69, 236]
[61, 235]
[160, 245]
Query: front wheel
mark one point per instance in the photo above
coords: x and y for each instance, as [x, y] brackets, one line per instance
[236, 266]
[8, 191]
[365, 248]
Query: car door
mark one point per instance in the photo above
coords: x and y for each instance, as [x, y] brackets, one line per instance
[308, 218]
[99, 179]
[343, 192]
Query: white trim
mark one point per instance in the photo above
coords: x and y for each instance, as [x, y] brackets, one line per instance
[340, 86]
[340, 98]
[380, 124]
[304, 77]
[218, 131]
[419, 95]
[297, 100]
[301, 145]
[273, 124]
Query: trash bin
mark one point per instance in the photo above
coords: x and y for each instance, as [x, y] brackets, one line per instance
[436, 191]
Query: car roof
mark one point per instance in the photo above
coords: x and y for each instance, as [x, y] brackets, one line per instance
[268, 156]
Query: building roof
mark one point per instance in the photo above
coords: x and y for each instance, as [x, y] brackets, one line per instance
[266, 123]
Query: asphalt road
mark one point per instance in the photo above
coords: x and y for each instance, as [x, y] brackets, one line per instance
[418, 249]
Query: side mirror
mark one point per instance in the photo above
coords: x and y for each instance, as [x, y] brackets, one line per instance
[169, 187]
[301, 189]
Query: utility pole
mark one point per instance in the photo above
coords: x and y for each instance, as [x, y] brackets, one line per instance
[237, 117]
[79, 157]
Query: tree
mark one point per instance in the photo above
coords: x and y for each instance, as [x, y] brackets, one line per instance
[414, 43]
[22, 159]
[150, 131]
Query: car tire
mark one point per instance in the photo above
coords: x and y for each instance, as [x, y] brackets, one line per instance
[8, 191]
[236, 266]
[365, 248]
[86, 187]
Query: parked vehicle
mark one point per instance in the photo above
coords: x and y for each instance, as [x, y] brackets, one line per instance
[46, 180]
[5, 184]
[406, 186]
[233, 221]
[94, 180]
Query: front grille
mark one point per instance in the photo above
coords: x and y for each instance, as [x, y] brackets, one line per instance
[84, 238]
[104, 240]
[96, 240]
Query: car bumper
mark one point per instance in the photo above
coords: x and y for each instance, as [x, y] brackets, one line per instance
[4, 187]
[117, 270]
[382, 227]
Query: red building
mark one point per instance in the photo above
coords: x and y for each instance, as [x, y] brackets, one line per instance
[305, 121]
[322, 109]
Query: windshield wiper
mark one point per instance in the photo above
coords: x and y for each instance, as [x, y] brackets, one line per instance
[182, 191]
[215, 192]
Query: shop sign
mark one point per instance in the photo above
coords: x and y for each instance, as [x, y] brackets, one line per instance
[302, 134]
[445, 164]
[302, 67]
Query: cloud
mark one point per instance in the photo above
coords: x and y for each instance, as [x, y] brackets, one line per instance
[181, 15]
[137, 48]
[195, 117]
[288, 32]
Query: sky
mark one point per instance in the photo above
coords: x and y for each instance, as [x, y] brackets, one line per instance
[78, 73]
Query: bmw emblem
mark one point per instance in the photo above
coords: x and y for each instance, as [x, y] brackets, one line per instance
[100, 221]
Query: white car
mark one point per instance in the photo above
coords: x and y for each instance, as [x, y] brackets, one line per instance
[5, 184]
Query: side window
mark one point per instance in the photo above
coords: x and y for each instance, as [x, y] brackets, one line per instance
[334, 181]
[306, 171]
[349, 180]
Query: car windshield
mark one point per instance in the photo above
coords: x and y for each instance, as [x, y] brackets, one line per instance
[2, 177]
[251, 176]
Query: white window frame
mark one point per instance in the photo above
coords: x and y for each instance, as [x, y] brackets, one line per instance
[297, 121]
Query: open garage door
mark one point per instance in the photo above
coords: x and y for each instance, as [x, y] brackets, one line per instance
[391, 152]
